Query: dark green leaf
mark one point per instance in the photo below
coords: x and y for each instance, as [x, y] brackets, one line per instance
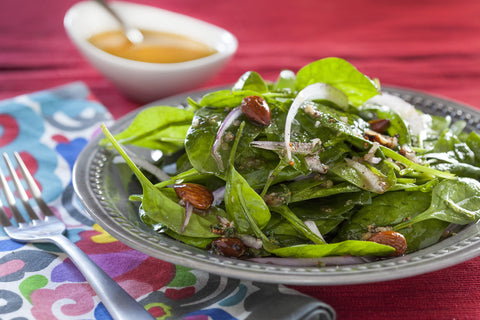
[241, 201]
[159, 207]
[348, 247]
[390, 209]
[158, 128]
[225, 99]
[252, 81]
[455, 201]
[340, 74]
[298, 224]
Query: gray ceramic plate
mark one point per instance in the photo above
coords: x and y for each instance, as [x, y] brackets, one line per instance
[103, 185]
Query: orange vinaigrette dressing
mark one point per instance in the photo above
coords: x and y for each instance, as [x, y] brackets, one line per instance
[157, 47]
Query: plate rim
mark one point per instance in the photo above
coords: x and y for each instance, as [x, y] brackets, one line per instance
[451, 251]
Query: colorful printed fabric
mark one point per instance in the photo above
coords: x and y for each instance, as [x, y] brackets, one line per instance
[37, 281]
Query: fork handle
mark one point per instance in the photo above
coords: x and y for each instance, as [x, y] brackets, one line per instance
[118, 302]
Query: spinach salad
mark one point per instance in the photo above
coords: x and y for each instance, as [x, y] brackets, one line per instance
[316, 164]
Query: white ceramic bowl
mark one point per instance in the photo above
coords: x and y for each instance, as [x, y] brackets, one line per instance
[143, 81]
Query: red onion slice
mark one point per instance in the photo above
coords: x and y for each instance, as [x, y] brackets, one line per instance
[227, 122]
[218, 196]
[188, 214]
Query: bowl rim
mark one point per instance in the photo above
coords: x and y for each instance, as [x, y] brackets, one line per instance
[230, 41]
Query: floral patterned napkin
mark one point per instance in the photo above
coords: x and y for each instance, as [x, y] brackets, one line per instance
[37, 281]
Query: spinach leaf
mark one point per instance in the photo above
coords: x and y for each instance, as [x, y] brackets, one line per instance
[225, 99]
[202, 135]
[191, 175]
[434, 127]
[283, 232]
[378, 179]
[241, 201]
[473, 142]
[251, 80]
[306, 189]
[160, 127]
[413, 166]
[319, 189]
[334, 151]
[348, 247]
[455, 201]
[416, 185]
[389, 209]
[459, 169]
[298, 224]
[201, 243]
[452, 154]
[256, 166]
[340, 74]
[457, 128]
[337, 122]
[200, 138]
[285, 81]
[158, 207]
[450, 146]
[239, 198]
[329, 212]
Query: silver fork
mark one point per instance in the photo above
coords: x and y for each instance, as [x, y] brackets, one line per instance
[50, 229]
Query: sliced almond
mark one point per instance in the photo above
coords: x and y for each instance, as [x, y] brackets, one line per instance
[256, 110]
[379, 125]
[198, 195]
[391, 238]
[228, 247]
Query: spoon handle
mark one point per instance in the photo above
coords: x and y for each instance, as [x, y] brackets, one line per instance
[107, 7]
[133, 34]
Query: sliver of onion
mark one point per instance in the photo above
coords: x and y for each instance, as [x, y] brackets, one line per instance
[313, 227]
[316, 91]
[227, 122]
[251, 242]
[188, 214]
[218, 196]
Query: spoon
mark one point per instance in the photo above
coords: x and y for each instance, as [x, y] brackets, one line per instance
[134, 35]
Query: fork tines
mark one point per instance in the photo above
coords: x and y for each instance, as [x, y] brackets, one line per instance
[22, 194]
